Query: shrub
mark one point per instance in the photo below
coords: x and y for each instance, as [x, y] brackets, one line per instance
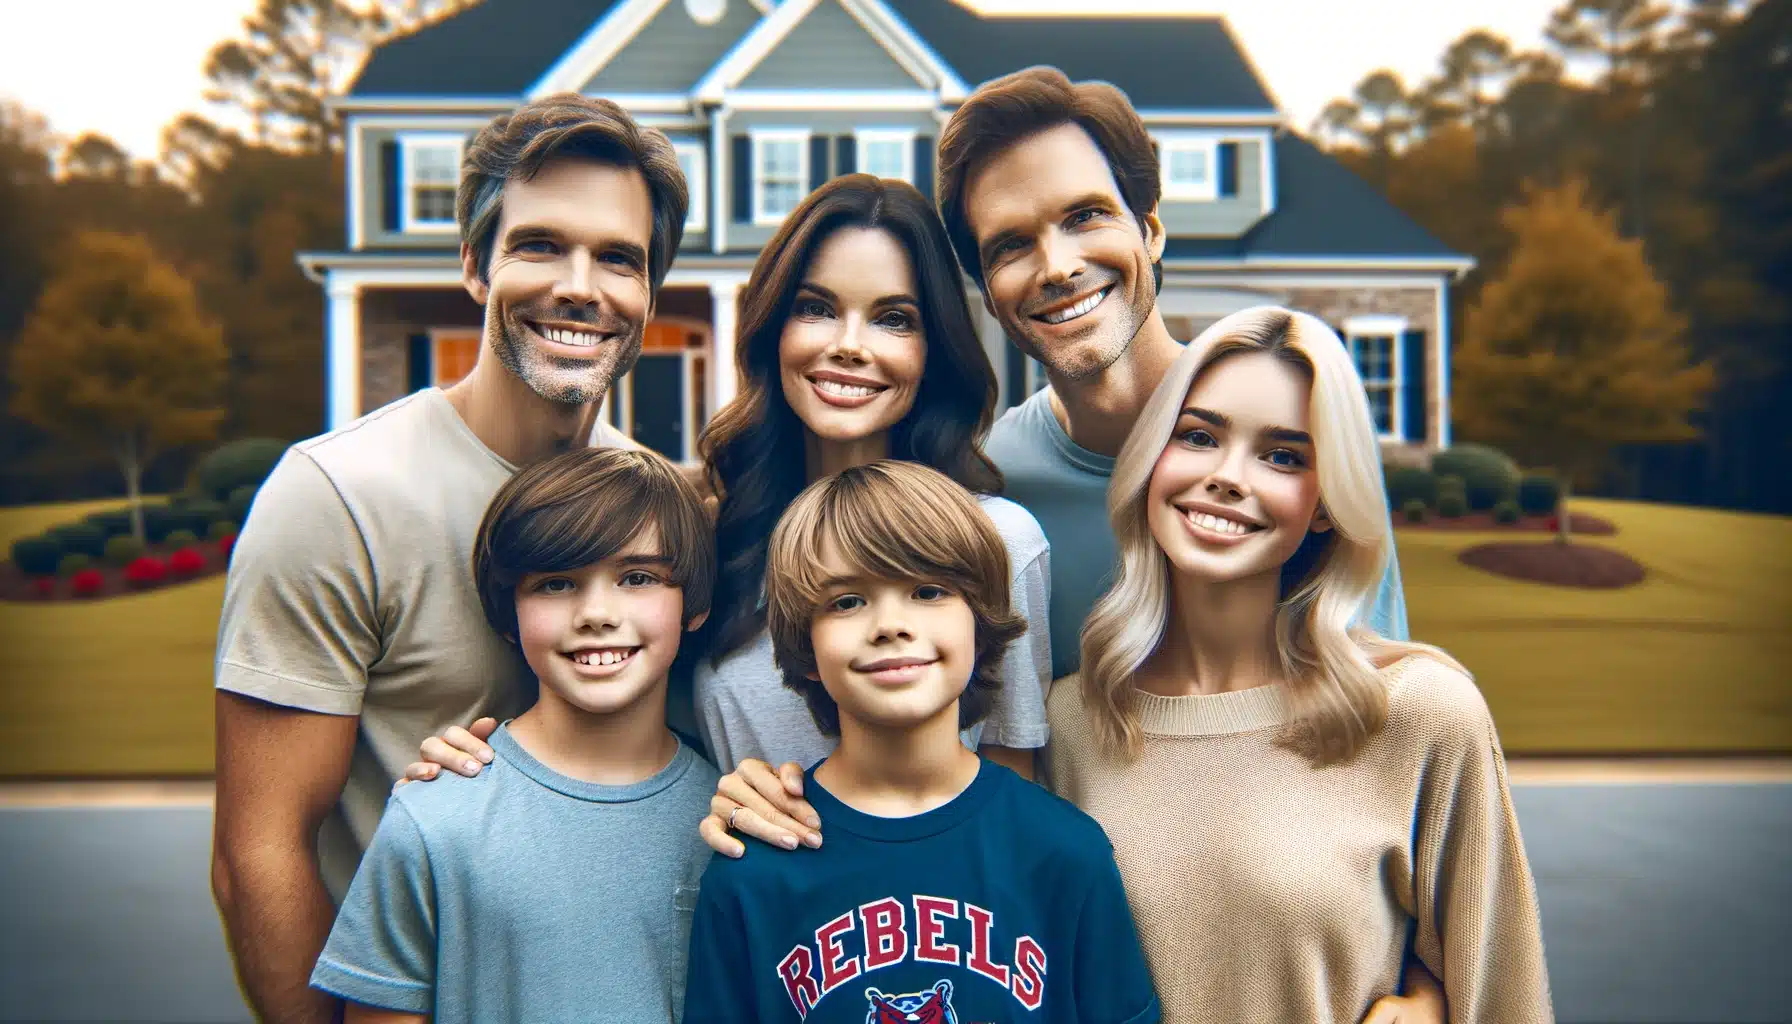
[84, 538]
[221, 529]
[1415, 510]
[147, 569]
[186, 562]
[1506, 512]
[123, 550]
[1407, 484]
[1490, 474]
[237, 507]
[195, 515]
[87, 582]
[1539, 494]
[158, 522]
[1452, 505]
[36, 556]
[1452, 485]
[112, 521]
[239, 463]
[72, 563]
[181, 539]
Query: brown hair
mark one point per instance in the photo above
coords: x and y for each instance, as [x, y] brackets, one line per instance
[581, 507]
[747, 446]
[896, 521]
[514, 146]
[1016, 106]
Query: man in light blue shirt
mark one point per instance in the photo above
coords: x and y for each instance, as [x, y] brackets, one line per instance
[1050, 199]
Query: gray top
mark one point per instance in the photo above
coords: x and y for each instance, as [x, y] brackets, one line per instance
[744, 709]
[526, 895]
[1065, 486]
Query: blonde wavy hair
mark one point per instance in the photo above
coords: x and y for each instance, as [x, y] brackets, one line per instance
[1327, 657]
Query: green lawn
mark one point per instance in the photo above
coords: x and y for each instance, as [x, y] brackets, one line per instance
[1692, 660]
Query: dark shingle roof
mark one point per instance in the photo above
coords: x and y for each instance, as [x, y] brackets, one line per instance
[495, 48]
[1159, 62]
[1322, 209]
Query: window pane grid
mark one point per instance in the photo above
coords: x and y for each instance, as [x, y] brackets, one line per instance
[781, 186]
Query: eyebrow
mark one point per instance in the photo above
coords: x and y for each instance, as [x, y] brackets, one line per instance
[1223, 421]
[645, 560]
[903, 299]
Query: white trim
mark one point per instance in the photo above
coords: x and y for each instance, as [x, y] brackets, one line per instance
[342, 386]
[1208, 147]
[718, 145]
[651, 102]
[601, 42]
[696, 219]
[1254, 118]
[424, 123]
[1394, 329]
[1251, 277]
[1440, 364]
[444, 272]
[1459, 265]
[392, 104]
[1266, 173]
[800, 136]
[408, 144]
[724, 321]
[903, 137]
[883, 26]
[357, 180]
[830, 99]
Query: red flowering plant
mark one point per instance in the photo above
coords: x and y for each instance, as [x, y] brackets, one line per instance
[87, 582]
[186, 562]
[146, 569]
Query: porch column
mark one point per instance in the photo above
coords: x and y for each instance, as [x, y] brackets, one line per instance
[722, 383]
[343, 359]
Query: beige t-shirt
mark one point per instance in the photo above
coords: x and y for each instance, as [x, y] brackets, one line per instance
[351, 592]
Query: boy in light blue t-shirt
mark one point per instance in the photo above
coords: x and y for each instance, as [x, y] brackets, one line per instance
[558, 884]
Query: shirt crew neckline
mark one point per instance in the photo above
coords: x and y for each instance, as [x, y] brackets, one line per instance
[510, 752]
[838, 816]
[1227, 714]
[1078, 456]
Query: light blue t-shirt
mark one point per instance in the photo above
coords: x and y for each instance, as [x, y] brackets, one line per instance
[1065, 486]
[525, 895]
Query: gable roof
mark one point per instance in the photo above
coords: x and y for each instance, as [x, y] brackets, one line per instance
[1168, 63]
[913, 53]
[1323, 211]
[496, 48]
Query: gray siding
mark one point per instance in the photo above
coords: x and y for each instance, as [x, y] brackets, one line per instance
[374, 216]
[819, 122]
[672, 52]
[829, 49]
[1226, 217]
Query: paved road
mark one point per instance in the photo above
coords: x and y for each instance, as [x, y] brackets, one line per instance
[1662, 904]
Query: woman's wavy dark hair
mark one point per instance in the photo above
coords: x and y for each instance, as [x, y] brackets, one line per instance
[753, 448]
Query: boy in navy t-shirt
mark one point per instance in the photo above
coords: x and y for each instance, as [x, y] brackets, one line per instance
[950, 890]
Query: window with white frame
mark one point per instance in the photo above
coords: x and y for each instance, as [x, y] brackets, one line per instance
[886, 153]
[780, 174]
[1189, 166]
[1375, 347]
[691, 162]
[431, 173]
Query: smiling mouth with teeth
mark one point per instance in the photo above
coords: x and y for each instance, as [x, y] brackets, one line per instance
[1070, 313]
[1215, 524]
[605, 656]
[566, 336]
[834, 387]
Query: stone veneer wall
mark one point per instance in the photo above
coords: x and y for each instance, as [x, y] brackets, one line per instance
[1418, 306]
[389, 316]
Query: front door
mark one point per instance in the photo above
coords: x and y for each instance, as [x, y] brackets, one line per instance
[656, 392]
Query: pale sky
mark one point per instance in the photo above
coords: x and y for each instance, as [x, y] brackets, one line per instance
[128, 67]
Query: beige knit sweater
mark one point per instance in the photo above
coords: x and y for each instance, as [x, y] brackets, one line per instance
[1266, 889]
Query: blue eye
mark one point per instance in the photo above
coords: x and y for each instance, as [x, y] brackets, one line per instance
[1286, 459]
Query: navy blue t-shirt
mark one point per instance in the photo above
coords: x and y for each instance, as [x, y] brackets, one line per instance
[1002, 905]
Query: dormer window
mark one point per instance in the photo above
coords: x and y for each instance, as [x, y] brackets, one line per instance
[431, 174]
[1189, 166]
[780, 174]
[886, 153]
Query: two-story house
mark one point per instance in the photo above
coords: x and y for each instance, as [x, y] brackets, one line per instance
[766, 100]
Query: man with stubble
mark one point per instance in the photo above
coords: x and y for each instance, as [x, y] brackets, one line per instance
[349, 626]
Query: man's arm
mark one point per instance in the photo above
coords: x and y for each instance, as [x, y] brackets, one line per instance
[265, 877]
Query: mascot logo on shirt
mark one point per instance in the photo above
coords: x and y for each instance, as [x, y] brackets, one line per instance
[933, 1006]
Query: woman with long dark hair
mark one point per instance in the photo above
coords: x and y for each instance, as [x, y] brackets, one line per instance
[855, 344]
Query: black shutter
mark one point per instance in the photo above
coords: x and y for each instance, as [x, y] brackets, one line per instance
[1412, 383]
[924, 165]
[818, 161]
[846, 154]
[740, 164]
[420, 370]
[1228, 156]
[390, 183]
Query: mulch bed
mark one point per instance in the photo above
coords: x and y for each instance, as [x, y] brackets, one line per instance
[1565, 565]
[16, 586]
[1578, 522]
